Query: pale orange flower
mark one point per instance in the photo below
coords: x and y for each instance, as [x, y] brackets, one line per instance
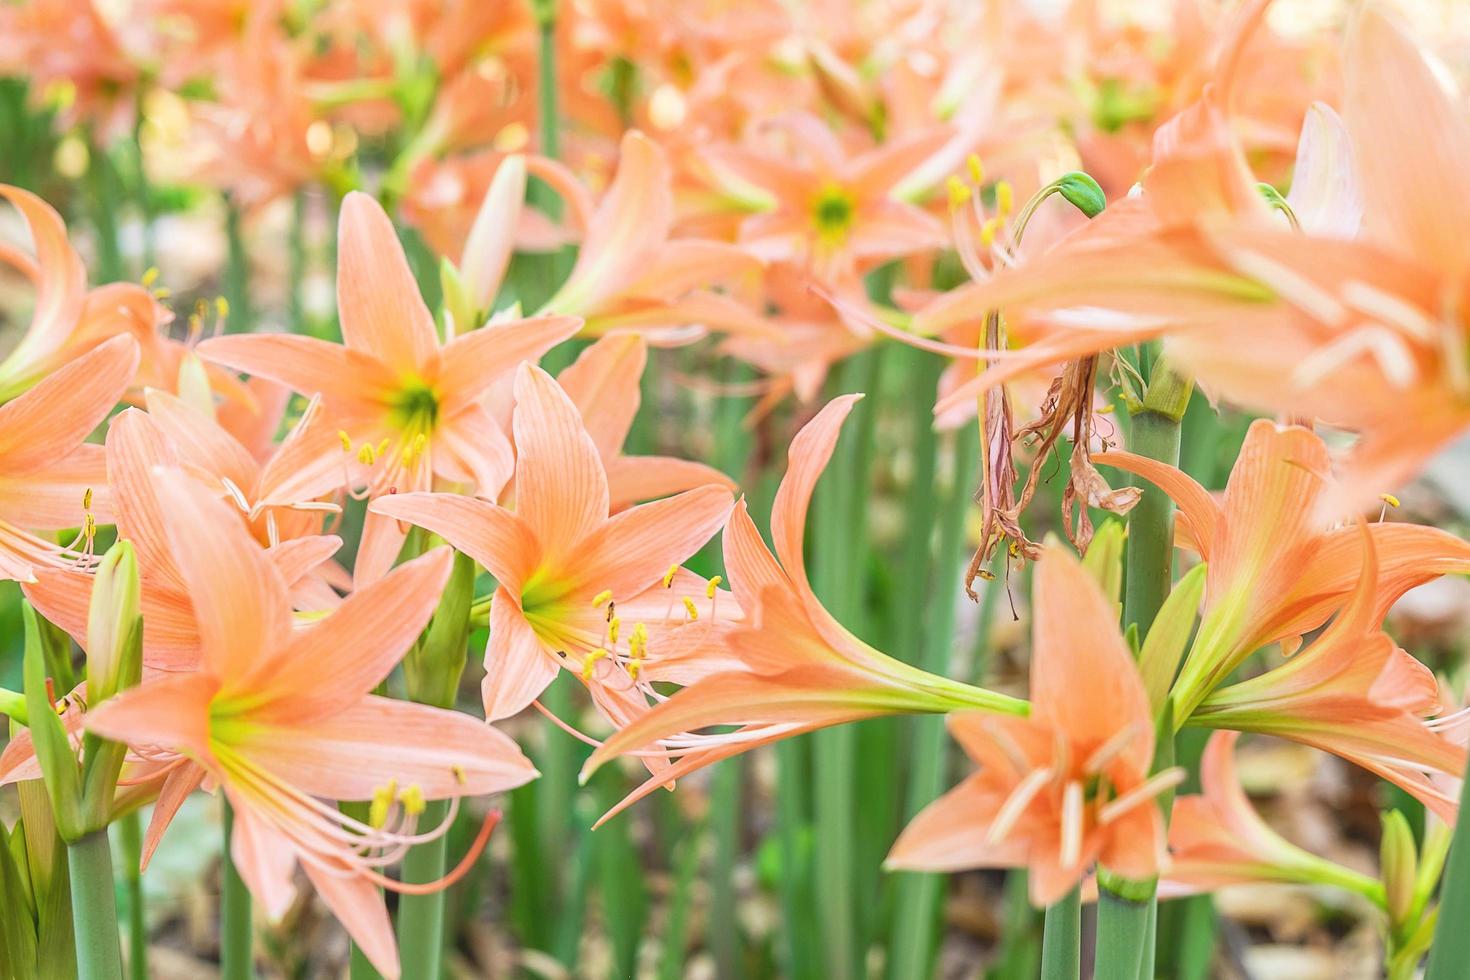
[1217, 838]
[409, 407]
[790, 666]
[599, 595]
[136, 445]
[282, 720]
[1069, 785]
[830, 211]
[1276, 570]
[50, 479]
[1355, 693]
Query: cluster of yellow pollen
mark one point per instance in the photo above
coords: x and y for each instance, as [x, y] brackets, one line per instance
[410, 798]
[965, 192]
[87, 536]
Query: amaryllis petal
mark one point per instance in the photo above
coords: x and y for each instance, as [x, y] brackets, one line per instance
[517, 667]
[47, 422]
[561, 487]
[635, 548]
[381, 310]
[345, 756]
[495, 537]
[474, 361]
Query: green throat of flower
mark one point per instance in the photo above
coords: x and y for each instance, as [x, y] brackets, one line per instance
[833, 211]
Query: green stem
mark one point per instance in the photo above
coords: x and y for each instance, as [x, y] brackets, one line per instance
[421, 917]
[1122, 928]
[1450, 951]
[94, 908]
[548, 111]
[1061, 938]
[130, 833]
[1127, 926]
[1150, 552]
[236, 285]
[235, 953]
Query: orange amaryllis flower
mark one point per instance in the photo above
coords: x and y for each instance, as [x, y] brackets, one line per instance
[69, 319]
[833, 212]
[136, 445]
[604, 385]
[1069, 785]
[1275, 569]
[790, 667]
[49, 478]
[630, 275]
[1216, 838]
[598, 595]
[282, 720]
[1355, 693]
[409, 408]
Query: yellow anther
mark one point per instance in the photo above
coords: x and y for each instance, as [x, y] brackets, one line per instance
[1014, 550]
[591, 662]
[613, 625]
[458, 773]
[1005, 197]
[638, 642]
[1106, 410]
[602, 598]
[196, 324]
[87, 499]
[714, 583]
[383, 798]
[691, 608]
[1387, 498]
[221, 307]
[669, 576]
[987, 575]
[89, 527]
[346, 441]
[977, 169]
[366, 454]
[988, 231]
[382, 445]
[162, 292]
[416, 448]
[150, 275]
[959, 192]
[412, 799]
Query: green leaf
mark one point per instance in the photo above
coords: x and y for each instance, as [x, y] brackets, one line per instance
[1104, 558]
[17, 911]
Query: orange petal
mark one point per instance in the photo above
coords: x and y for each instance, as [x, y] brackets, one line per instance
[378, 299]
[1197, 507]
[355, 647]
[495, 537]
[350, 380]
[603, 383]
[239, 597]
[474, 361]
[950, 834]
[357, 903]
[561, 487]
[47, 422]
[169, 711]
[517, 665]
[635, 548]
[345, 756]
[1394, 99]
[1083, 678]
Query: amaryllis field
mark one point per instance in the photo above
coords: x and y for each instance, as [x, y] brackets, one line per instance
[721, 489]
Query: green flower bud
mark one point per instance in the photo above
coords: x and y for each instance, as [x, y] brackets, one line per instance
[114, 658]
[1083, 193]
[1398, 857]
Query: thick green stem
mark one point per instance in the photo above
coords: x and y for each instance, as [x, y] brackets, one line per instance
[1150, 552]
[235, 954]
[1061, 938]
[421, 917]
[1449, 955]
[236, 283]
[1122, 929]
[130, 834]
[94, 908]
[1127, 923]
[548, 111]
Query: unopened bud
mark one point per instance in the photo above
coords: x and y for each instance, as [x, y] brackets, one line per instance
[1399, 860]
[114, 649]
[1083, 193]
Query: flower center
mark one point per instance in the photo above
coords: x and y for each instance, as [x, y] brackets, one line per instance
[416, 408]
[833, 210]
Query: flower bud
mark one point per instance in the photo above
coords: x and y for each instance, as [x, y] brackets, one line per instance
[433, 667]
[1398, 858]
[114, 650]
[1083, 193]
[1104, 558]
